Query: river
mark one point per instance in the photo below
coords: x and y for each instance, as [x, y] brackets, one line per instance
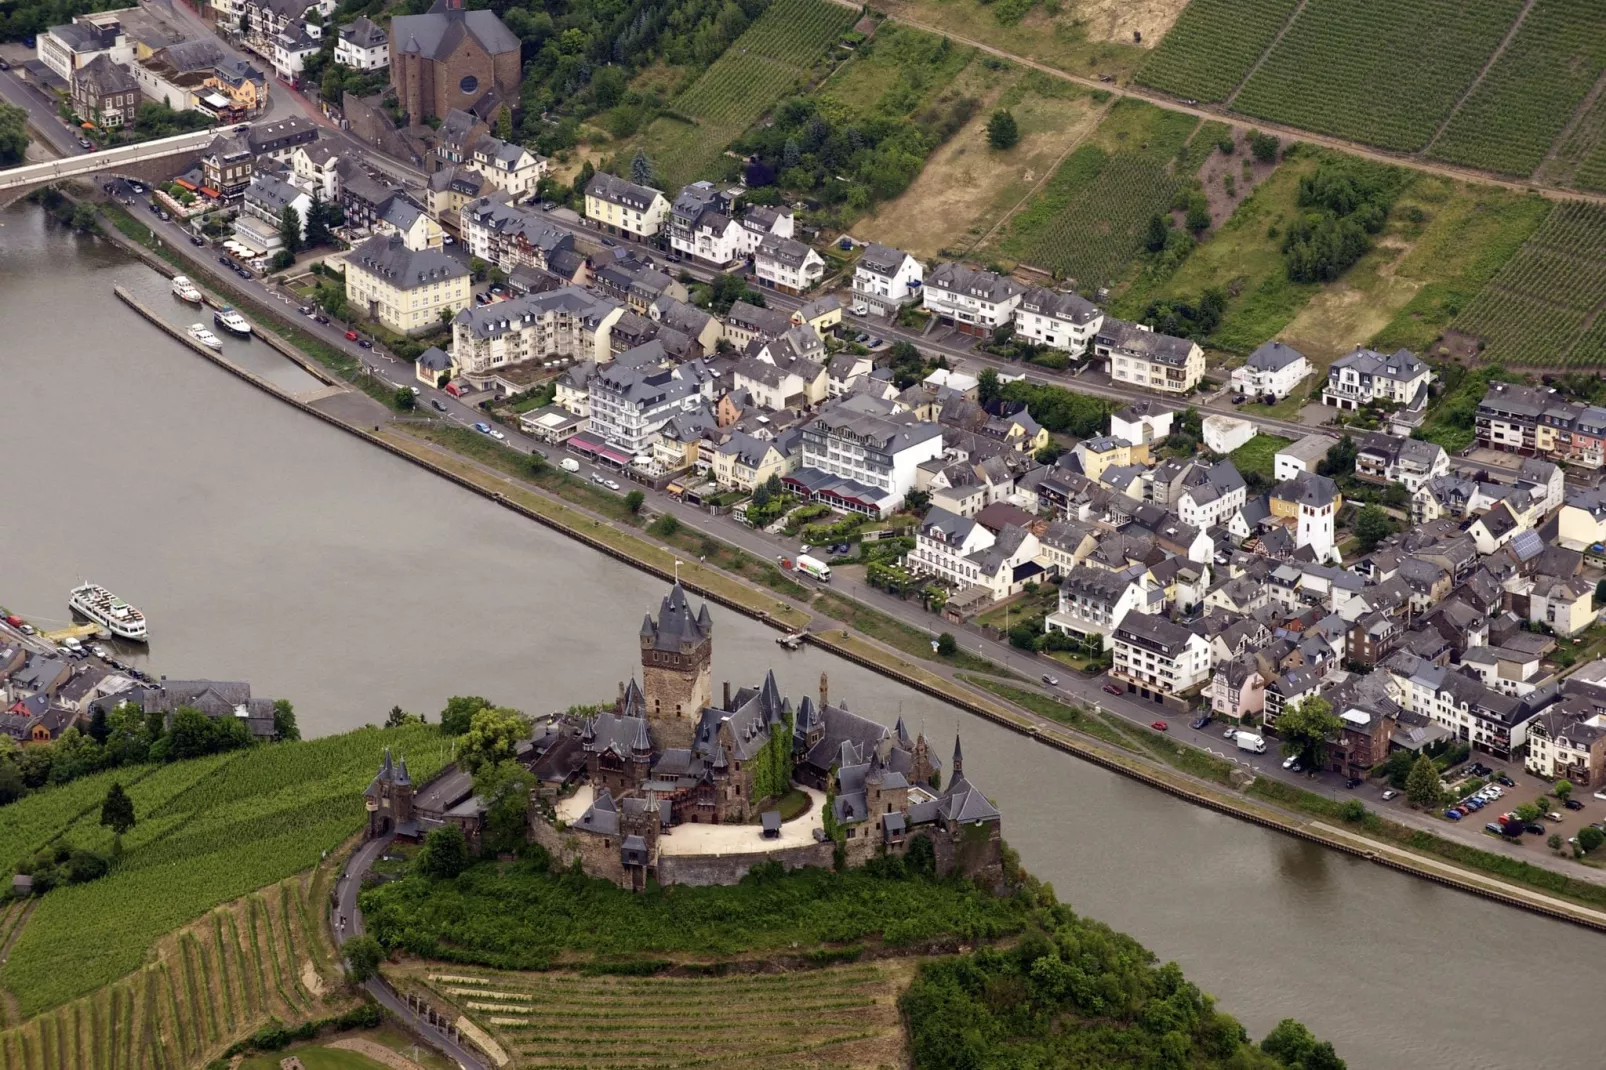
[266, 546]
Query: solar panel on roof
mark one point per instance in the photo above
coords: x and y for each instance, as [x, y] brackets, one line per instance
[1527, 545]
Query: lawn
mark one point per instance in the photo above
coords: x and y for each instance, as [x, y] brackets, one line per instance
[1259, 454]
[314, 1057]
[897, 72]
[967, 186]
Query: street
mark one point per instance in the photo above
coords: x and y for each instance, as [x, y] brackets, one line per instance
[42, 115]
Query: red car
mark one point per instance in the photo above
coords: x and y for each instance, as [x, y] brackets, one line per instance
[14, 620]
[1112, 689]
[1158, 726]
[351, 336]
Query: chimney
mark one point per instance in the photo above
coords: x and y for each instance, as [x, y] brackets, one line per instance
[825, 691]
[727, 705]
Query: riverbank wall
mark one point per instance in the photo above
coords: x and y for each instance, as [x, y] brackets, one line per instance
[1128, 765]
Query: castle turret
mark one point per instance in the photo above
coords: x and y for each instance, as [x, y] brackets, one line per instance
[677, 653]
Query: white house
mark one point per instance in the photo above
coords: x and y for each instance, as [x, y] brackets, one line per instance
[317, 169]
[1318, 514]
[1223, 434]
[1273, 369]
[1094, 601]
[1210, 495]
[1365, 376]
[632, 398]
[700, 225]
[65, 49]
[1301, 456]
[1408, 461]
[787, 265]
[976, 302]
[943, 546]
[1065, 321]
[1142, 423]
[263, 207]
[864, 461]
[1143, 357]
[624, 207]
[885, 279]
[762, 221]
[362, 46]
[291, 48]
[1157, 658]
[510, 167]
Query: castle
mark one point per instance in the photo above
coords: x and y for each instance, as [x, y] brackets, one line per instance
[667, 758]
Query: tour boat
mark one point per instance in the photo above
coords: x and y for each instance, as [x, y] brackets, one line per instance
[231, 320]
[185, 290]
[199, 332]
[110, 612]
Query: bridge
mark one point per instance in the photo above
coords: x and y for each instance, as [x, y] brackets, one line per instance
[148, 161]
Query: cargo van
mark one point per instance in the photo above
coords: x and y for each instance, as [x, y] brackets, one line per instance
[569, 464]
[1250, 742]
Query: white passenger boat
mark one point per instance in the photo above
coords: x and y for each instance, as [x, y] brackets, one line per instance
[110, 612]
[185, 290]
[199, 332]
[231, 320]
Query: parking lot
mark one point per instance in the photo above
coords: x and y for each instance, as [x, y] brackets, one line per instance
[1526, 790]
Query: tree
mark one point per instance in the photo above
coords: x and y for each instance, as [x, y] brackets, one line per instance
[641, 169]
[290, 229]
[1263, 146]
[1198, 215]
[13, 134]
[1292, 1045]
[117, 810]
[318, 223]
[1002, 133]
[444, 854]
[83, 218]
[399, 717]
[363, 956]
[460, 711]
[1600, 593]
[99, 729]
[504, 124]
[1305, 727]
[947, 645]
[582, 179]
[1158, 234]
[1590, 837]
[1422, 785]
[493, 737]
[506, 789]
[1562, 789]
[284, 722]
[404, 400]
[1555, 841]
[1340, 459]
[634, 500]
[1528, 813]
[916, 501]
[1372, 526]
[987, 389]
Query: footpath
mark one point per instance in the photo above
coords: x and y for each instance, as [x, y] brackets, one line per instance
[785, 613]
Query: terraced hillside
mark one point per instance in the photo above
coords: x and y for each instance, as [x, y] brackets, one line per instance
[836, 1016]
[265, 956]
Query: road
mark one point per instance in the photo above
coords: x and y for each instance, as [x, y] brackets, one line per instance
[346, 892]
[42, 116]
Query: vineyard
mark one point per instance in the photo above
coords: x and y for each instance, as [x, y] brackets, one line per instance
[1213, 45]
[209, 831]
[1545, 306]
[1089, 219]
[831, 1017]
[1579, 158]
[1386, 72]
[1522, 104]
[761, 66]
[260, 957]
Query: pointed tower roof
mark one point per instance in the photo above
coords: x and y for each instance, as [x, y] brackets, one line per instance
[959, 757]
[769, 697]
[719, 755]
[648, 629]
[805, 716]
[903, 734]
[401, 774]
[705, 623]
[387, 768]
[677, 625]
[642, 744]
[588, 732]
[633, 703]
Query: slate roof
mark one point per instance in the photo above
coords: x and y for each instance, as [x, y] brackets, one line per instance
[101, 77]
[1273, 356]
[404, 268]
[437, 35]
[881, 259]
[363, 33]
[620, 191]
[676, 624]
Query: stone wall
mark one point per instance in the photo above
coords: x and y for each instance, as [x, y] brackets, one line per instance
[375, 128]
[703, 870]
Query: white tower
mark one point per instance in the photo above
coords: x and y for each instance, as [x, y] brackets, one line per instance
[1318, 513]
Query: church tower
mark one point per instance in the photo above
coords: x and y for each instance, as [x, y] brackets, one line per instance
[677, 653]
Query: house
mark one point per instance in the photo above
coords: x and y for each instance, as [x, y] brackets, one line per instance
[245, 90]
[262, 210]
[1237, 689]
[624, 208]
[1301, 456]
[407, 290]
[1581, 524]
[1097, 454]
[566, 323]
[1366, 376]
[1408, 461]
[701, 226]
[451, 58]
[976, 302]
[1141, 356]
[510, 237]
[316, 169]
[280, 137]
[1545, 481]
[1158, 659]
[762, 221]
[744, 462]
[1094, 601]
[401, 216]
[745, 322]
[863, 461]
[1522, 419]
[67, 48]
[635, 395]
[363, 195]
[1496, 527]
[1316, 516]
[885, 279]
[1209, 494]
[362, 46]
[434, 367]
[1223, 434]
[685, 440]
[1272, 370]
[701, 327]
[1065, 321]
[822, 315]
[1567, 741]
[215, 698]
[1285, 689]
[1143, 424]
[786, 265]
[176, 72]
[106, 93]
[291, 48]
[227, 167]
[782, 373]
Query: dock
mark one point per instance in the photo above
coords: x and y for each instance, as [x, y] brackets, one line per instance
[77, 631]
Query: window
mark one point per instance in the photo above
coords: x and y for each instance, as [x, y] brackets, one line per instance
[469, 83]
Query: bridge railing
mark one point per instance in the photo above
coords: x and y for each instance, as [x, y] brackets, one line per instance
[108, 158]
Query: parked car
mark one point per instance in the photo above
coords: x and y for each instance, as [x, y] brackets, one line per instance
[166, 218]
[226, 262]
[1159, 726]
[483, 428]
[242, 272]
[1601, 794]
[1353, 782]
[197, 240]
[1553, 816]
[366, 343]
[1051, 681]
[447, 239]
[4, 66]
[1288, 762]
[83, 142]
[1507, 781]
[305, 310]
[610, 484]
[1238, 399]
[1199, 722]
[499, 436]
[1494, 827]
[1112, 689]
[137, 187]
[1534, 830]
[437, 404]
[1453, 814]
[320, 318]
[496, 289]
[1573, 804]
[1389, 793]
[351, 336]
[1232, 730]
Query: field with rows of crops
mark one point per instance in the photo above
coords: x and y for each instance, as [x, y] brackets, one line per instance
[1213, 45]
[1510, 120]
[836, 1016]
[265, 956]
[762, 65]
[1547, 306]
[1087, 222]
[208, 832]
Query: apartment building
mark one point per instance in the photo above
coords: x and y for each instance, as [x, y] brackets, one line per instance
[510, 237]
[1392, 459]
[1534, 421]
[405, 289]
[362, 46]
[568, 323]
[700, 225]
[263, 207]
[885, 279]
[624, 208]
[786, 265]
[975, 302]
[633, 397]
[1143, 357]
[1065, 321]
[1157, 658]
[1274, 370]
[864, 461]
[1366, 376]
[1095, 601]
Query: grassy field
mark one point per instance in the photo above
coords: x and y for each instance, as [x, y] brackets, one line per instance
[209, 832]
[967, 187]
[898, 72]
[1213, 46]
[1544, 306]
[835, 1016]
[1386, 72]
[1087, 222]
[1259, 454]
[761, 66]
[1086, 37]
[264, 956]
[1510, 120]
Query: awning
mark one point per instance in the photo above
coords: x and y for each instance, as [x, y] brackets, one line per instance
[616, 456]
[584, 443]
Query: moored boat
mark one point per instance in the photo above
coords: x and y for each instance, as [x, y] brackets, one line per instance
[185, 290]
[110, 612]
[199, 332]
[231, 320]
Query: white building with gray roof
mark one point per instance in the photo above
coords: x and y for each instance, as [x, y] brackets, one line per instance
[976, 302]
[885, 279]
[1066, 321]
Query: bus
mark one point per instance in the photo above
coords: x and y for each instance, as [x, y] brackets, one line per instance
[810, 566]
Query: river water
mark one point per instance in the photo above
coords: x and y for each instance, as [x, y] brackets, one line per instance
[266, 546]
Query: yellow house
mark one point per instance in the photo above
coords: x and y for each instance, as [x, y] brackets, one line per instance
[744, 462]
[1582, 521]
[624, 207]
[406, 290]
[822, 313]
[1097, 454]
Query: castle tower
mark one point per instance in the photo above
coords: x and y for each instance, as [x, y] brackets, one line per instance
[388, 797]
[677, 653]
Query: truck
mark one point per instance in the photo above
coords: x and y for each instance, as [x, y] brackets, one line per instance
[569, 464]
[1250, 742]
[813, 566]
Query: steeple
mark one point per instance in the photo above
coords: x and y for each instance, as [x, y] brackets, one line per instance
[825, 691]
[642, 744]
[401, 774]
[959, 760]
[902, 734]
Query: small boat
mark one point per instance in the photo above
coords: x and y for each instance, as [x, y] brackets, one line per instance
[110, 612]
[185, 290]
[231, 320]
[199, 332]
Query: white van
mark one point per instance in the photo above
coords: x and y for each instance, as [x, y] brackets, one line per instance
[569, 464]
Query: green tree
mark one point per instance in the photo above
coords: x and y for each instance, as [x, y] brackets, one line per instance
[1158, 234]
[1306, 727]
[100, 728]
[83, 218]
[1198, 215]
[1600, 593]
[290, 229]
[504, 124]
[460, 711]
[1528, 813]
[444, 854]
[1340, 459]
[1372, 526]
[947, 645]
[1555, 841]
[1590, 837]
[1002, 132]
[1263, 146]
[404, 399]
[13, 134]
[363, 956]
[1422, 785]
[399, 717]
[1562, 789]
[1292, 1045]
[506, 789]
[582, 179]
[641, 169]
[117, 810]
[318, 223]
[493, 737]
[284, 721]
[988, 389]
[634, 500]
